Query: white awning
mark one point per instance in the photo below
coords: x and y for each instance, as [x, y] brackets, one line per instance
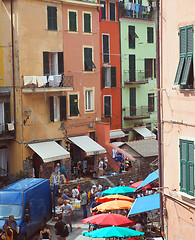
[116, 134]
[88, 145]
[146, 133]
[49, 151]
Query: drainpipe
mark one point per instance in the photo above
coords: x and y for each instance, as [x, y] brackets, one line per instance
[13, 68]
[120, 68]
[159, 114]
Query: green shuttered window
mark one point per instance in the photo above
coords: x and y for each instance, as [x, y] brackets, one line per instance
[87, 22]
[107, 106]
[132, 36]
[106, 50]
[51, 18]
[72, 21]
[112, 11]
[89, 64]
[108, 77]
[103, 10]
[150, 35]
[187, 166]
[150, 102]
[131, 68]
[184, 74]
[73, 100]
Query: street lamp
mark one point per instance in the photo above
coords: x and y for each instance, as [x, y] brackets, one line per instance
[27, 112]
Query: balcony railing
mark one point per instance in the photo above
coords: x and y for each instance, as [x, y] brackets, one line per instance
[137, 77]
[123, 11]
[49, 81]
[130, 113]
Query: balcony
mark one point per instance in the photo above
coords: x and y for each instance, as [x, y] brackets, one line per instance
[7, 131]
[124, 12]
[51, 83]
[137, 77]
[133, 113]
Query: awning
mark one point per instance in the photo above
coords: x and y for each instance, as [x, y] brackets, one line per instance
[116, 134]
[49, 151]
[144, 132]
[145, 204]
[88, 145]
[150, 178]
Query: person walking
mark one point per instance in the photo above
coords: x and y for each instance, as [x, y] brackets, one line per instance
[59, 229]
[100, 168]
[13, 225]
[84, 200]
[45, 233]
[66, 214]
[8, 232]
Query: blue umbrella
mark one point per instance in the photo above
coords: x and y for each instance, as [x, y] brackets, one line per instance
[150, 178]
[118, 190]
[110, 232]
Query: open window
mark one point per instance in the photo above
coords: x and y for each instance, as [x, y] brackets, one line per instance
[88, 60]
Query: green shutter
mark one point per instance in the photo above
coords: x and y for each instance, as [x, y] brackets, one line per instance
[179, 70]
[87, 22]
[150, 102]
[183, 163]
[73, 105]
[106, 51]
[113, 76]
[131, 34]
[131, 68]
[107, 106]
[190, 168]
[60, 63]
[103, 77]
[46, 63]
[51, 104]
[186, 71]
[51, 18]
[150, 35]
[88, 59]
[112, 11]
[154, 68]
[62, 108]
[103, 10]
[72, 21]
[7, 113]
[146, 68]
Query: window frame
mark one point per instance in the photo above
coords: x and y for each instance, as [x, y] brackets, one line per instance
[89, 13]
[69, 108]
[186, 163]
[57, 111]
[48, 63]
[54, 25]
[92, 60]
[104, 2]
[110, 114]
[92, 99]
[150, 35]
[131, 36]
[113, 20]
[151, 98]
[76, 20]
[104, 55]
[150, 72]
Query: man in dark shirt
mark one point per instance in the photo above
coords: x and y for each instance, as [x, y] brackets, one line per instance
[59, 226]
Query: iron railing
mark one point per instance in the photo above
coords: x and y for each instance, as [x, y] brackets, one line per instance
[136, 112]
[137, 76]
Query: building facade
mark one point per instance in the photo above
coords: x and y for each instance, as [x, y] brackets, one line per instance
[177, 117]
[138, 65]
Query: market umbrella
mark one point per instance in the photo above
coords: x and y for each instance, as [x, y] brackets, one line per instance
[110, 232]
[118, 190]
[114, 197]
[109, 219]
[113, 205]
[137, 184]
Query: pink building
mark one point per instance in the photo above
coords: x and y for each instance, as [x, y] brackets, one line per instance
[177, 22]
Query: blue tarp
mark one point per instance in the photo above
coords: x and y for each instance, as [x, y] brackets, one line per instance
[145, 204]
[150, 178]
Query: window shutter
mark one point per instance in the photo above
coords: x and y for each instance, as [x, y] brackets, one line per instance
[60, 63]
[189, 40]
[107, 105]
[72, 21]
[113, 76]
[87, 22]
[150, 35]
[112, 11]
[154, 68]
[186, 71]
[131, 68]
[103, 10]
[106, 48]
[183, 163]
[190, 168]
[54, 18]
[182, 37]
[179, 70]
[103, 77]
[7, 113]
[51, 18]
[51, 103]
[63, 108]
[131, 37]
[88, 59]
[46, 63]
[74, 111]
[150, 102]
[146, 68]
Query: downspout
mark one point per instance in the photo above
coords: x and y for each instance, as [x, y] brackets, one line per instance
[13, 68]
[120, 68]
[159, 114]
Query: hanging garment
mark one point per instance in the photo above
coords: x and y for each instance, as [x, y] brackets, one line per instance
[129, 6]
[29, 80]
[114, 151]
[133, 6]
[137, 7]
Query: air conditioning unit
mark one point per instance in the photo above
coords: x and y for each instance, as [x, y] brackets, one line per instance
[10, 126]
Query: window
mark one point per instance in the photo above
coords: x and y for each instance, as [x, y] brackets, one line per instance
[107, 106]
[53, 63]
[73, 101]
[149, 68]
[150, 102]
[131, 68]
[109, 76]
[89, 100]
[87, 22]
[72, 21]
[51, 18]
[103, 10]
[112, 11]
[57, 108]
[187, 166]
[88, 62]
[5, 115]
[184, 75]
[106, 50]
[132, 36]
[150, 35]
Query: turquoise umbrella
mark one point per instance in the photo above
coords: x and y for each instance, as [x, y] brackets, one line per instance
[111, 232]
[118, 190]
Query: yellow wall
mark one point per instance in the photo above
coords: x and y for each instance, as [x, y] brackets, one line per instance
[1, 52]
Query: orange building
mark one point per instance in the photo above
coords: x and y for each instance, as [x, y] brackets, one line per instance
[110, 67]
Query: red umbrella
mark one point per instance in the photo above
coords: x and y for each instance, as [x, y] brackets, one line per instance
[109, 219]
[136, 184]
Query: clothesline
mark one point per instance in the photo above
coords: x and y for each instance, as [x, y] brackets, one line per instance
[138, 8]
